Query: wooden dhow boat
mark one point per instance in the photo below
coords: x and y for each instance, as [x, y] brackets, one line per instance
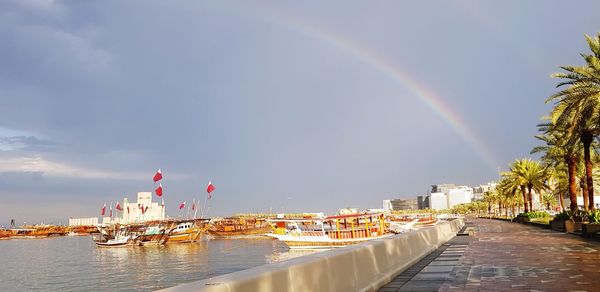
[185, 231]
[38, 231]
[329, 232]
[238, 226]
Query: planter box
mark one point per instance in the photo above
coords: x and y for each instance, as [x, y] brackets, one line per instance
[590, 229]
[521, 219]
[572, 227]
[557, 225]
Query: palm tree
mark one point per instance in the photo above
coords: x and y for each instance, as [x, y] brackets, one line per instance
[530, 175]
[548, 199]
[559, 183]
[514, 181]
[578, 106]
[559, 153]
[490, 197]
[510, 192]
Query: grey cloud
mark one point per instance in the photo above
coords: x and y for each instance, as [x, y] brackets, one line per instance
[26, 143]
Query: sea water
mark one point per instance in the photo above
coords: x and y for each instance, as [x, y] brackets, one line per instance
[76, 264]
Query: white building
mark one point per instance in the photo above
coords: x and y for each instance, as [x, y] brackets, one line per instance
[387, 205]
[580, 201]
[438, 201]
[460, 195]
[132, 212]
[481, 189]
[92, 221]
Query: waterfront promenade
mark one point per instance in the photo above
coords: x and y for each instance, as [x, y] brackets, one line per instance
[501, 256]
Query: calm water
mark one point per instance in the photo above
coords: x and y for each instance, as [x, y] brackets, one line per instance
[76, 264]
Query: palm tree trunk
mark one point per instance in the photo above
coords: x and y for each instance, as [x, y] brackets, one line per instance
[530, 197]
[524, 191]
[572, 168]
[584, 192]
[587, 139]
[562, 204]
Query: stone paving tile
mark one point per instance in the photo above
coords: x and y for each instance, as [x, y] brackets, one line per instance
[444, 263]
[437, 269]
[505, 256]
[509, 256]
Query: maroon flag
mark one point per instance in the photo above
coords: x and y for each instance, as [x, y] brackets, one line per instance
[146, 209]
[157, 176]
[143, 210]
[182, 205]
[159, 190]
[127, 209]
[210, 188]
[118, 207]
[104, 209]
[193, 205]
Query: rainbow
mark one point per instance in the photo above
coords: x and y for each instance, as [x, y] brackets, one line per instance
[377, 61]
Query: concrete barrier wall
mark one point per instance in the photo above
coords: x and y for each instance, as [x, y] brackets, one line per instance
[364, 267]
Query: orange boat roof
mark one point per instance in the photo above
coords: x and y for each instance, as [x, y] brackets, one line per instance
[351, 216]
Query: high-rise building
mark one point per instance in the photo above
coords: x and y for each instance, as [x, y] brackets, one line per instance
[442, 188]
[460, 195]
[438, 201]
[400, 204]
[423, 202]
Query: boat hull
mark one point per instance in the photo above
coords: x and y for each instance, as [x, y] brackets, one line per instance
[244, 232]
[192, 235]
[320, 242]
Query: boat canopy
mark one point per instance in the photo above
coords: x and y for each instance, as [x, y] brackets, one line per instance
[363, 215]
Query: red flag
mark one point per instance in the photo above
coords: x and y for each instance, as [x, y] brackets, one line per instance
[104, 209]
[146, 209]
[143, 210]
[159, 190]
[118, 207]
[127, 209]
[210, 188]
[182, 205]
[157, 176]
[193, 206]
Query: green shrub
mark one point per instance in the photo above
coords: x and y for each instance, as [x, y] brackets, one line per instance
[564, 215]
[532, 215]
[594, 216]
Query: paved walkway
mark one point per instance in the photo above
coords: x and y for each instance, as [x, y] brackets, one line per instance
[501, 256]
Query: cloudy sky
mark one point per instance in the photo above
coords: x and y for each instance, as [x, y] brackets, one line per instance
[284, 105]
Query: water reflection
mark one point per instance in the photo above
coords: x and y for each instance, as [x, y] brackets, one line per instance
[75, 263]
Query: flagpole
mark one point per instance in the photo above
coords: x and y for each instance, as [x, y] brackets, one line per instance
[203, 206]
[195, 211]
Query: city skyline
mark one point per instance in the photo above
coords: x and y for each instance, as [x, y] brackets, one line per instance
[283, 106]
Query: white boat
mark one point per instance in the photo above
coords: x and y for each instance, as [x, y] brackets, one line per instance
[329, 232]
[116, 242]
[397, 227]
[119, 238]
